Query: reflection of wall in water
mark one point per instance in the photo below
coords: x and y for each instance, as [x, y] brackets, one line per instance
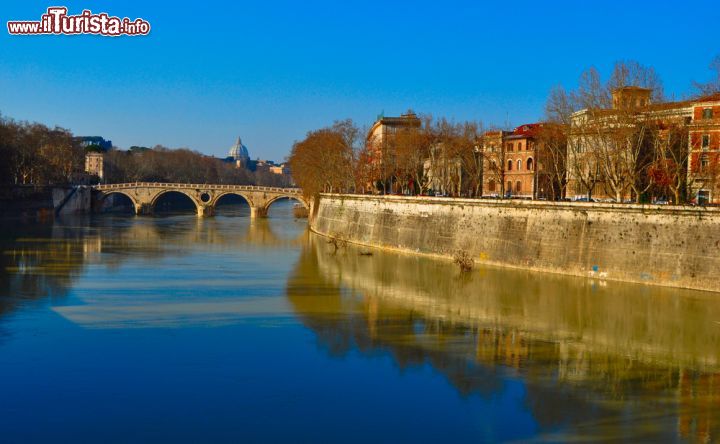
[422, 312]
[557, 332]
[649, 323]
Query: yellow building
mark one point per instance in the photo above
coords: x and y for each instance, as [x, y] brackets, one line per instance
[94, 164]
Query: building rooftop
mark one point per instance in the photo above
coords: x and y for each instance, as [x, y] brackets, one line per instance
[631, 88]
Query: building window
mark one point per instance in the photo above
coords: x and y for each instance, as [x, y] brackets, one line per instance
[530, 164]
[519, 165]
[509, 187]
[706, 141]
[491, 185]
[518, 186]
[509, 165]
[704, 162]
[707, 113]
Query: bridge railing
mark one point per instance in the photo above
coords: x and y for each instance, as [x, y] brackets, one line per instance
[203, 186]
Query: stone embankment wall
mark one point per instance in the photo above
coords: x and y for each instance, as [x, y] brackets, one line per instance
[44, 201]
[673, 246]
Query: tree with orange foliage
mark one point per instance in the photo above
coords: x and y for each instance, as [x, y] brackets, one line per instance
[323, 161]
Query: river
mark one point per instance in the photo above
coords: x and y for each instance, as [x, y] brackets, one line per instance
[173, 328]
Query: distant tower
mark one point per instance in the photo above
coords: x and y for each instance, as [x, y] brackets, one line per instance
[631, 97]
[94, 164]
[239, 153]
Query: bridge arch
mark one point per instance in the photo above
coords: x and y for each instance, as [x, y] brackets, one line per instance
[217, 196]
[286, 196]
[263, 211]
[104, 195]
[157, 196]
[100, 199]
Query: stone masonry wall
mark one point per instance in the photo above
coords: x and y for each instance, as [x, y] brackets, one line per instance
[673, 246]
[43, 201]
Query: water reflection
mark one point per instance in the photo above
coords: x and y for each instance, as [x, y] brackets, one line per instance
[265, 305]
[38, 261]
[598, 361]
[45, 259]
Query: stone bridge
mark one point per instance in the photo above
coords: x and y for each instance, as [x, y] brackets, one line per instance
[144, 195]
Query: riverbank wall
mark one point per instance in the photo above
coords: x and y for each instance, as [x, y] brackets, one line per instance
[30, 201]
[653, 244]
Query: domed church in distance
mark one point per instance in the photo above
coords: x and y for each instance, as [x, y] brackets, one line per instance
[239, 153]
[267, 172]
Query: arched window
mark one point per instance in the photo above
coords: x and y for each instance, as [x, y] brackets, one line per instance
[509, 187]
[519, 165]
[518, 186]
[491, 185]
[509, 165]
[530, 164]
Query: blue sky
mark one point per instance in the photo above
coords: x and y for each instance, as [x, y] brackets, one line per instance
[271, 71]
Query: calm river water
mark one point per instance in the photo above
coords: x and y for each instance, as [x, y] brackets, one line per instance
[170, 328]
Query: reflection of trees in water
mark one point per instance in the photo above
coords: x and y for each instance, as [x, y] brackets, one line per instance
[344, 321]
[606, 361]
[37, 261]
[41, 260]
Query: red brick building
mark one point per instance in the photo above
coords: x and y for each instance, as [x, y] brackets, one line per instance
[513, 164]
[704, 134]
[520, 153]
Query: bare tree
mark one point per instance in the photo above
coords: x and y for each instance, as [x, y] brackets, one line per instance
[551, 154]
[560, 106]
[365, 170]
[607, 145]
[411, 149]
[583, 163]
[618, 141]
[591, 92]
[445, 163]
[471, 156]
[669, 170]
[633, 73]
[493, 160]
[712, 86]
